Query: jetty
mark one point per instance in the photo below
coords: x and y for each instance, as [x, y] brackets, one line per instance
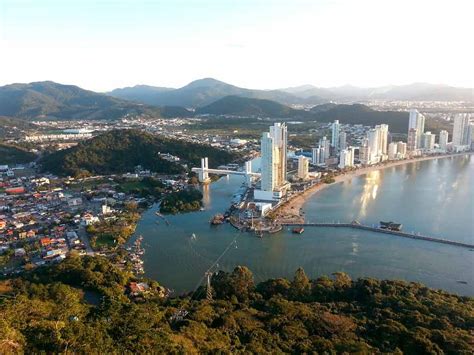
[357, 225]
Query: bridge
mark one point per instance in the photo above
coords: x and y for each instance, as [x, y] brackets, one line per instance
[356, 225]
[204, 171]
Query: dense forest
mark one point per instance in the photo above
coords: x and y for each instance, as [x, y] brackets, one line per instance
[120, 151]
[10, 154]
[81, 306]
[181, 201]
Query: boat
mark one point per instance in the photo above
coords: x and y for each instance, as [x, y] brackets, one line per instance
[391, 226]
[297, 230]
[217, 219]
[462, 282]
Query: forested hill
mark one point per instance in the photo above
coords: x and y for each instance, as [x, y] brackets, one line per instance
[10, 155]
[244, 106]
[46, 311]
[361, 114]
[50, 100]
[120, 151]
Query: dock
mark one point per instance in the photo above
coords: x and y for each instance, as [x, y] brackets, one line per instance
[356, 225]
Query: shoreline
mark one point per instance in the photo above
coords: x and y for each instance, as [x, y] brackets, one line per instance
[290, 211]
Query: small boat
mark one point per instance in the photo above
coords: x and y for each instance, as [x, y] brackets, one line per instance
[193, 236]
[461, 282]
[217, 219]
[391, 226]
[297, 230]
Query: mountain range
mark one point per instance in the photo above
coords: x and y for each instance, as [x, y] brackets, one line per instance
[50, 100]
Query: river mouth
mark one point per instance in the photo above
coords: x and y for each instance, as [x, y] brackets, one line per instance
[178, 260]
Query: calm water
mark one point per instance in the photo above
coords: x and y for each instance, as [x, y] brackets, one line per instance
[433, 197]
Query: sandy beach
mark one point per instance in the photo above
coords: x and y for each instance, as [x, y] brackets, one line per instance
[290, 211]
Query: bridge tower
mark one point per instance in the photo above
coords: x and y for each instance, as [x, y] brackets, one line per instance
[203, 173]
[248, 170]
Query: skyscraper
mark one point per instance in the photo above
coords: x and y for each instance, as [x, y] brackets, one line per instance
[417, 120]
[303, 167]
[324, 143]
[318, 156]
[383, 138]
[401, 150]
[411, 141]
[460, 130]
[364, 152]
[342, 140]
[373, 136]
[273, 163]
[392, 151]
[428, 141]
[443, 140]
[336, 128]
[346, 158]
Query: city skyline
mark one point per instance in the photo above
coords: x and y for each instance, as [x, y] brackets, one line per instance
[105, 45]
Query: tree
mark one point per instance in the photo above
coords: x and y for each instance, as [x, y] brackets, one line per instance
[301, 285]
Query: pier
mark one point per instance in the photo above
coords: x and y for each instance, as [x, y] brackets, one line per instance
[356, 225]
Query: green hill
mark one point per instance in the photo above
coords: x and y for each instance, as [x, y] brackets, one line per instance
[80, 306]
[119, 151]
[10, 154]
[244, 106]
[49, 100]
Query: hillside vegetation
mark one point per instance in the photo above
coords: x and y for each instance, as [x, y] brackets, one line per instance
[46, 311]
[10, 154]
[120, 151]
[49, 100]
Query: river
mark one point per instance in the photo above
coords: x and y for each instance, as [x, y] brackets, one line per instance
[434, 197]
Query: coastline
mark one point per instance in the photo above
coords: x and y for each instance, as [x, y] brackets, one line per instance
[290, 211]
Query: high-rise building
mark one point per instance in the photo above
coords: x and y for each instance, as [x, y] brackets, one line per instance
[303, 167]
[318, 156]
[273, 162]
[428, 141]
[443, 140]
[364, 152]
[470, 135]
[342, 140]
[411, 141]
[460, 129]
[336, 128]
[373, 136]
[392, 151]
[417, 121]
[383, 138]
[401, 149]
[346, 158]
[324, 143]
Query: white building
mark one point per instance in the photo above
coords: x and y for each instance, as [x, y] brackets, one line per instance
[303, 167]
[411, 141]
[373, 137]
[324, 143]
[342, 140]
[336, 128]
[346, 158]
[383, 138]
[428, 141]
[392, 151]
[364, 152]
[417, 121]
[443, 140]
[402, 150]
[318, 156]
[273, 163]
[460, 129]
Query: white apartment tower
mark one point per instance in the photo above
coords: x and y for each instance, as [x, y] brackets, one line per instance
[428, 141]
[364, 152]
[460, 129]
[392, 151]
[336, 128]
[303, 167]
[346, 158]
[273, 163]
[401, 149]
[342, 140]
[318, 156]
[443, 140]
[416, 121]
[324, 143]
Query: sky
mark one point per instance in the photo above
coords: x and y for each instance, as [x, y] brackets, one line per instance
[263, 44]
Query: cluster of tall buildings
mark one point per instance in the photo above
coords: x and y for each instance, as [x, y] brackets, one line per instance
[420, 141]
